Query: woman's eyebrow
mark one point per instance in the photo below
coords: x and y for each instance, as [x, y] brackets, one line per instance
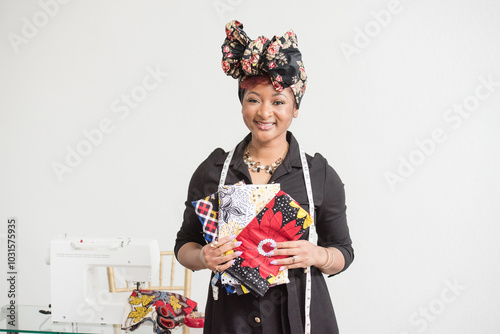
[280, 93]
[275, 94]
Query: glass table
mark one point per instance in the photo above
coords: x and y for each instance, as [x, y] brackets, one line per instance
[31, 320]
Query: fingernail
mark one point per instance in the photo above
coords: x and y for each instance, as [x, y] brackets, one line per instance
[238, 243]
[239, 253]
[232, 236]
[232, 262]
[273, 262]
[273, 245]
[282, 268]
[271, 253]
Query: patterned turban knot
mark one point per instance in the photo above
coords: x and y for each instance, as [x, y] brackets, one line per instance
[278, 57]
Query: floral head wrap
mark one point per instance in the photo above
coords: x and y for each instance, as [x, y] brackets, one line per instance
[278, 57]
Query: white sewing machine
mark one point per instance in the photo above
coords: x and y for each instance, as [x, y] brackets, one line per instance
[79, 290]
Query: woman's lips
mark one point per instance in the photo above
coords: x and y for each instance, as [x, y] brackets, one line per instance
[264, 126]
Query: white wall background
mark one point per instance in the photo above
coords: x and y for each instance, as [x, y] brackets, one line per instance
[437, 226]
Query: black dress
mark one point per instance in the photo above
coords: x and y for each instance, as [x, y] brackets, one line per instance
[281, 309]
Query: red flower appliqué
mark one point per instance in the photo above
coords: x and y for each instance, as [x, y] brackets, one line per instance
[257, 240]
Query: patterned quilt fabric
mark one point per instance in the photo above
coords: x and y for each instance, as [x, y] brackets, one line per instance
[259, 215]
[238, 205]
[165, 310]
[207, 211]
[282, 219]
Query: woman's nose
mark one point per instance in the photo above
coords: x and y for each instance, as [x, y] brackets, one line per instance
[266, 110]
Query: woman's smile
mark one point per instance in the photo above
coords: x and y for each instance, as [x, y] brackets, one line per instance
[265, 126]
[268, 113]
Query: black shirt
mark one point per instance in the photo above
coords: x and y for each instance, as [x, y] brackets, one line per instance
[281, 309]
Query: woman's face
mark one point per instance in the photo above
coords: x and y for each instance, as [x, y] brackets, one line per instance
[268, 113]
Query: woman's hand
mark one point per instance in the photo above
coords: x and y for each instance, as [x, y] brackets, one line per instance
[302, 254]
[212, 254]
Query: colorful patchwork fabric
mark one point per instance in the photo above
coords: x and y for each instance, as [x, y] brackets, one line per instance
[282, 219]
[238, 205]
[165, 310]
[258, 215]
[206, 209]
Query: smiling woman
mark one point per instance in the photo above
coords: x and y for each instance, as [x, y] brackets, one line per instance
[269, 251]
[268, 114]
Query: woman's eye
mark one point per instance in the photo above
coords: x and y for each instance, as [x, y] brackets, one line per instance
[279, 102]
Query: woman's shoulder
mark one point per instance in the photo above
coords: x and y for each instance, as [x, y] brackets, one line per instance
[213, 161]
[217, 157]
[206, 175]
[320, 165]
[217, 154]
[316, 160]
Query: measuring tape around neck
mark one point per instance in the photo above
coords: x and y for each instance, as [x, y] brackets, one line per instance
[225, 168]
[312, 238]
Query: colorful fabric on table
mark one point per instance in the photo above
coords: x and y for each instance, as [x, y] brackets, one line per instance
[282, 219]
[278, 57]
[165, 310]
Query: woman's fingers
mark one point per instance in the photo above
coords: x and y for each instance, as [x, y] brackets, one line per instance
[289, 262]
[214, 254]
[288, 244]
[226, 239]
[299, 254]
[225, 258]
[226, 265]
[289, 248]
[229, 246]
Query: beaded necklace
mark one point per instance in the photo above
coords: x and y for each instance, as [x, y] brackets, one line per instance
[256, 167]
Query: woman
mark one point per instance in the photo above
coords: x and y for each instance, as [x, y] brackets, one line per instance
[271, 85]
